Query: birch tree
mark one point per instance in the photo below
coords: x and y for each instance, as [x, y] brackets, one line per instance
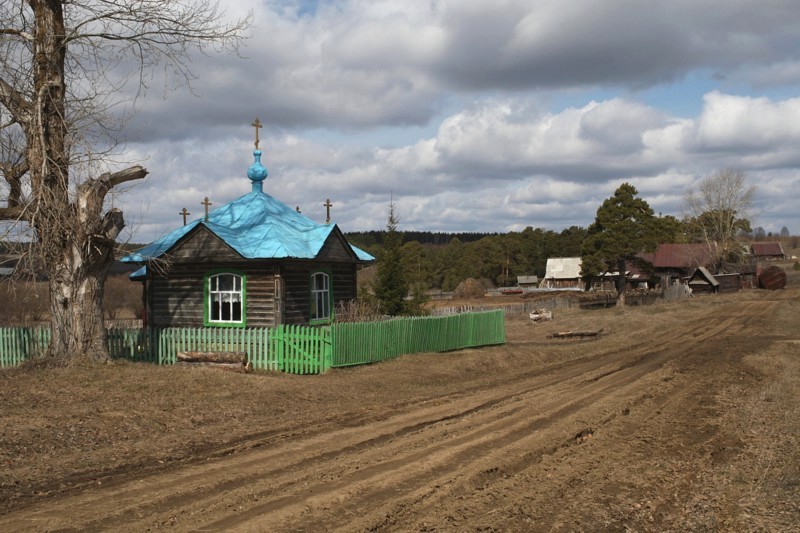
[63, 66]
[718, 210]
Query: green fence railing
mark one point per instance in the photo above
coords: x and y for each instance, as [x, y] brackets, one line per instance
[162, 345]
[291, 349]
[20, 344]
[369, 342]
[302, 349]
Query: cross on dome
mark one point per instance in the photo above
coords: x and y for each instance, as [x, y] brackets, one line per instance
[257, 172]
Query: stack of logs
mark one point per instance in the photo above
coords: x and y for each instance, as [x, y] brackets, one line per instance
[236, 361]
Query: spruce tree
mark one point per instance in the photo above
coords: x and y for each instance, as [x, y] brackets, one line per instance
[391, 287]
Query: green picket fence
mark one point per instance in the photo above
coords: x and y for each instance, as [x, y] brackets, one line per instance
[162, 345]
[20, 344]
[370, 342]
[291, 349]
[302, 349]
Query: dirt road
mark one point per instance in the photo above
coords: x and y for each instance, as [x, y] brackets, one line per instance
[651, 427]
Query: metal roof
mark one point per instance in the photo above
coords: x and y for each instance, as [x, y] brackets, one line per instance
[256, 226]
[761, 249]
[563, 268]
[679, 256]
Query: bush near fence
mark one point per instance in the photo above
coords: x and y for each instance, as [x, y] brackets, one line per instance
[291, 349]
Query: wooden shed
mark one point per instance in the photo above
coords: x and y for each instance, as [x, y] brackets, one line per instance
[729, 282]
[252, 262]
[702, 281]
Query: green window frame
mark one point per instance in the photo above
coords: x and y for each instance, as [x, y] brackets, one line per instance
[225, 299]
[321, 297]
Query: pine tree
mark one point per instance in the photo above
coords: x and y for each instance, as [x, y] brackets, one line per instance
[624, 226]
[391, 287]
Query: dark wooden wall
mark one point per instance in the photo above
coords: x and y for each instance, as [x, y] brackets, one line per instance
[296, 279]
[176, 299]
[277, 291]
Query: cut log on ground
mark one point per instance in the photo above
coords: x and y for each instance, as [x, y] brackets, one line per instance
[569, 334]
[213, 357]
[233, 367]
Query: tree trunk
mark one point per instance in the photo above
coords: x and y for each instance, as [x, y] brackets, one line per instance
[80, 251]
[621, 282]
[76, 305]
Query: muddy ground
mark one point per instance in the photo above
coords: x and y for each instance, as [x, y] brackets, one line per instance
[680, 416]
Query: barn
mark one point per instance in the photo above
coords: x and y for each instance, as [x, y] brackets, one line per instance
[767, 251]
[252, 262]
[563, 273]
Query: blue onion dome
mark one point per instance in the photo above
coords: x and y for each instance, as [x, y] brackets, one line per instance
[257, 172]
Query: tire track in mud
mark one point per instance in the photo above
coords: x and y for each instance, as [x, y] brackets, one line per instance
[436, 456]
[379, 498]
[207, 481]
[314, 477]
[426, 503]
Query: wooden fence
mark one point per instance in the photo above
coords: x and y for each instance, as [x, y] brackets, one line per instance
[20, 344]
[606, 299]
[162, 345]
[369, 342]
[291, 349]
[302, 349]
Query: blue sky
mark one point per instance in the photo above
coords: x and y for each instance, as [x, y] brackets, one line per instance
[480, 115]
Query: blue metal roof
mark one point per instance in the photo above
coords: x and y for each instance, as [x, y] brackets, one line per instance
[256, 226]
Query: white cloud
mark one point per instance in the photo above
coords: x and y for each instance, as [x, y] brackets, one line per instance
[736, 123]
[530, 113]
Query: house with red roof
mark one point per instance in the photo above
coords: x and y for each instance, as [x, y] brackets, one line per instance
[768, 251]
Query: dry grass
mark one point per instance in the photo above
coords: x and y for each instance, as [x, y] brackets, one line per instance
[764, 480]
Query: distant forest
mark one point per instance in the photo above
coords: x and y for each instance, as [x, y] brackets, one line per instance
[364, 239]
[442, 260]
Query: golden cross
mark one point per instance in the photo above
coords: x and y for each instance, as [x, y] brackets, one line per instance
[257, 125]
[206, 203]
[185, 214]
[328, 206]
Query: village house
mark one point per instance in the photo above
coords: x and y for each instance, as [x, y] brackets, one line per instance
[562, 273]
[252, 262]
[673, 261]
[767, 251]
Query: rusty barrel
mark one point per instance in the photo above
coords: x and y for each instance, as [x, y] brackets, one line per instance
[772, 278]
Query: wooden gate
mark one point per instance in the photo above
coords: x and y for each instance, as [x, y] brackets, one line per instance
[302, 349]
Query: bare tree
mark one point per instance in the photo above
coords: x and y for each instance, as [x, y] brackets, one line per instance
[719, 210]
[62, 66]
